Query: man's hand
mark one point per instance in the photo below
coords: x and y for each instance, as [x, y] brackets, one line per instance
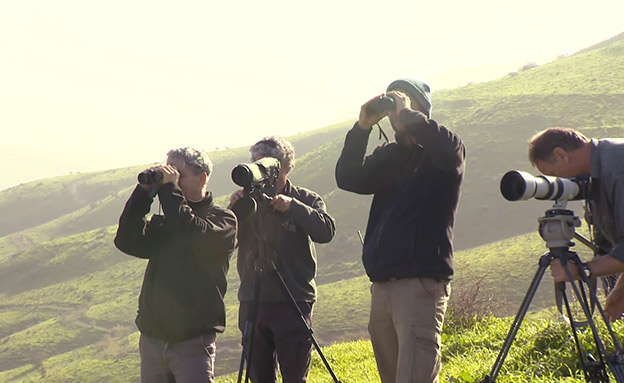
[401, 101]
[614, 307]
[368, 118]
[236, 196]
[559, 273]
[170, 174]
[281, 203]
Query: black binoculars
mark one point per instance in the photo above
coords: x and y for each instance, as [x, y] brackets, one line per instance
[150, 177]
[382, 104]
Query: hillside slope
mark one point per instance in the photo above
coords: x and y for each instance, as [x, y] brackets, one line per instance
[68, 297]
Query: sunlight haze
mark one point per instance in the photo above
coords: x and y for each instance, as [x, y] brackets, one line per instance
[91, 85]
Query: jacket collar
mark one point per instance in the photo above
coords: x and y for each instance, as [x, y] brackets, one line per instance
[208, 200]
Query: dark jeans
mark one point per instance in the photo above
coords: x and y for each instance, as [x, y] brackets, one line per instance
[280, 339]
[189, 361]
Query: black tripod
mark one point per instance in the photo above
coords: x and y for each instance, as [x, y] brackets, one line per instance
[261, 265]
[557, 228]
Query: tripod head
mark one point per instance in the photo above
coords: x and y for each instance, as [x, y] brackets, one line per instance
[557, 226]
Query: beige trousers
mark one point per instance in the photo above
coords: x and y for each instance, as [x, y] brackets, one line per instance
[405, 326]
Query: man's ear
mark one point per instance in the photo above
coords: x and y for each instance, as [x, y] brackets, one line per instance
[204, 179]
[560, 153]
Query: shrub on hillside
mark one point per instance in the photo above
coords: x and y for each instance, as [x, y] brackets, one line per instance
[528, 66]
[470, 301]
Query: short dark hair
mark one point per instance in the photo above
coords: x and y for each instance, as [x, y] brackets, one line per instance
[543, 144]
[198, 160]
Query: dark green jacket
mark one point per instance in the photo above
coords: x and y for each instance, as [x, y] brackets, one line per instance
[188, 249]
[288, 239]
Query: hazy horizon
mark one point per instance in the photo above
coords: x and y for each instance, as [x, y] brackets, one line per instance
[94, 86]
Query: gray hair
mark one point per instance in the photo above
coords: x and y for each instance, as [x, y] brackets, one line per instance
[276, 147]
[198, 160]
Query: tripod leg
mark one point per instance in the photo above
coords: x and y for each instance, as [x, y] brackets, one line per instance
[245, 354]
[526, 302]
[594, 370]
[614, 361]
[250, 326]
[293, 304]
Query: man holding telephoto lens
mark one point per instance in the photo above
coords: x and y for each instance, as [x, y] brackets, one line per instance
[287, 226]
[565, 152]
[188, 250]
[408, 251]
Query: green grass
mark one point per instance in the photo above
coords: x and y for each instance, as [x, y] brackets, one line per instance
[542, 352]
[110, 360]
[589, 73]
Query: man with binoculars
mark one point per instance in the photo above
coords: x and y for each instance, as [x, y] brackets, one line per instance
[188, 249]
[408, 251]
[565, 152]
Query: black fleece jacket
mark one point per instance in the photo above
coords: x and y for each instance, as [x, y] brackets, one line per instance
[188, 249]
[416, 193]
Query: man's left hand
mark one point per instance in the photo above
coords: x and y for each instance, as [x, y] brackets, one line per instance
[559, 273]
[170, 174]
[401, 101]
[281, 203]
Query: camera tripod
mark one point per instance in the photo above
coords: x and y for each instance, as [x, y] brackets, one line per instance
[557, 228]
[261, 265]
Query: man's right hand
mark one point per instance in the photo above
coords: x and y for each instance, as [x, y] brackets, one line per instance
[236, 196]
[368, 118]
[614, 307]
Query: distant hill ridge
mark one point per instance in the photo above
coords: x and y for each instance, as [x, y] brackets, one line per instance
[67, 294]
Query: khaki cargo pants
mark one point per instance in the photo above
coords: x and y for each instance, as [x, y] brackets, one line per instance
[405, 326]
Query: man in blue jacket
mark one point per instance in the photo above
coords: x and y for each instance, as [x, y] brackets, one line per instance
[566, 152]
[408, 250]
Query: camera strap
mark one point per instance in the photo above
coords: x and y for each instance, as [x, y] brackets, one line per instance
[382, 133]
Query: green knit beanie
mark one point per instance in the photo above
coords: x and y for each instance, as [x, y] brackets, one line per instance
[417, 89]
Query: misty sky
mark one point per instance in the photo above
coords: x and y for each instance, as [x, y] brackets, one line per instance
[89, 85]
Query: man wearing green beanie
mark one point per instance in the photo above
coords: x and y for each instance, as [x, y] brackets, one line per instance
[408, 250]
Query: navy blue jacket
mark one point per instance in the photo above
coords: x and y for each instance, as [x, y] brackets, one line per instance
[416, 193]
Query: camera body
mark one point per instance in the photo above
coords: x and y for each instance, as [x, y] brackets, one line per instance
[382, 104]
[150, 177]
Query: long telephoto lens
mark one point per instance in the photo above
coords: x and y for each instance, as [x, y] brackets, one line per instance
[247, 174]
[519, 186]
[243, 174]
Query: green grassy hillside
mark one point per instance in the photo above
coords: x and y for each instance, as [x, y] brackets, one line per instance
[68, 298]
[542, 352]
[94, 303]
